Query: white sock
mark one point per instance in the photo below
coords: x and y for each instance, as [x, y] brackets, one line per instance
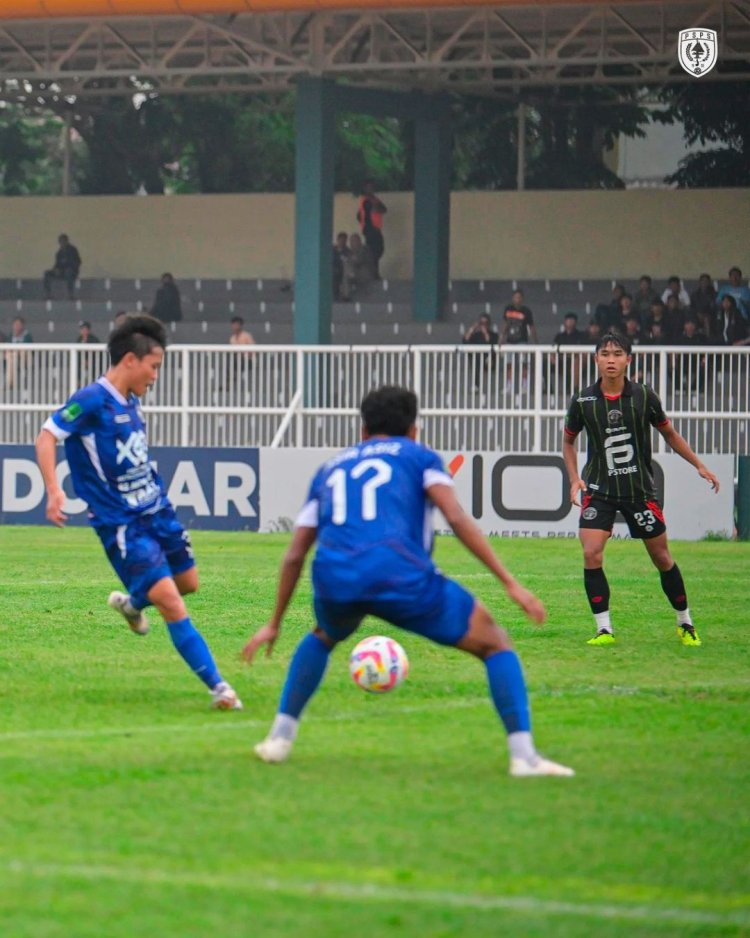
[521, 746]
[603, 622]
[285, 726]
[683, 617]
[129, 609]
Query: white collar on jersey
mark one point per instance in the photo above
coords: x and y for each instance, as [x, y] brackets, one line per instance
[112, 390]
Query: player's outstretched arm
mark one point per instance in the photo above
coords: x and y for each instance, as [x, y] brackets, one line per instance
[289, 574]
[681, 446]
[444, 498]
[46, 446]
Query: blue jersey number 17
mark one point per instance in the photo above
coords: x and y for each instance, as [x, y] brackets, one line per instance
[369, 505]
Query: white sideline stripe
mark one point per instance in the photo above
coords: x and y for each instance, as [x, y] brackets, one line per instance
[348, 892]
[220, 724]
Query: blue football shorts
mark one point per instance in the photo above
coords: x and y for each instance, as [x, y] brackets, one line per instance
[148, 549]
[443, 619]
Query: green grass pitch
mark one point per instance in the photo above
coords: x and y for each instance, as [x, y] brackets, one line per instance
[128, 807]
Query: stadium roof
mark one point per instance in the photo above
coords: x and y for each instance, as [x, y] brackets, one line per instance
[94, 47]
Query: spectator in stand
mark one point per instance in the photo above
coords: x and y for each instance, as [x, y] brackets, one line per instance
[481, 333]
[341, 254]
[570, 334]
[608, 314]
[644, 298]
[732, 326]
[238, 334]
[633, 329]
[370, 217]
[359, 269]
[626, 312]
[15, 360]
[675, 314]
[241, 361]
[656, 334]
[675, 288]
[740, 292]
[658, 315]
[567, 367]
[703, 299]
[593, 333]
[67, 266]
[518, 322]
[689, 370]
[85, 335]
[167, 303]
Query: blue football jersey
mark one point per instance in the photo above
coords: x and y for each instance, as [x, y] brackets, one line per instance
[374, 520]
[107, 452]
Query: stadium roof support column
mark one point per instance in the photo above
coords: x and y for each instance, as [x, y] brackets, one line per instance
[431, 217]
[314, 211]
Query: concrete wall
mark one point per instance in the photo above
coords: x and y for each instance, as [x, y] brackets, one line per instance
[530, 235]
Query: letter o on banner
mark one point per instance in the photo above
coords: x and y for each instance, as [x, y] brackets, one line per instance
[530, 488]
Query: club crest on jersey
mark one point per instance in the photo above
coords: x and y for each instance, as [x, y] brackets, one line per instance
[589, 513]
[614, 416]
[698, 50]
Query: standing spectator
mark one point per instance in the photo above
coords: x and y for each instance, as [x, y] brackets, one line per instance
[15, 360]
[703, 299]
[66, 267]
[736, 289]
[85, 335]
[167, 303]
[359, 268]
[565, 370]
[518, 322]
[644, 298]
[238, 334]
[481, 333]
[675, 288]
[733, 328]
[341, 254]
[370, 217]
[608, 314]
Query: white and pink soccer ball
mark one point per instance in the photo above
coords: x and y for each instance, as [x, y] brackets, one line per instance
[378, 664]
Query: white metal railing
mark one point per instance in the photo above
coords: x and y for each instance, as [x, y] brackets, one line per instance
[512, 399]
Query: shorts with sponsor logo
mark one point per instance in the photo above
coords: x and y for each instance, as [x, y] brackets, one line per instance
[644, 517]
[146, 550]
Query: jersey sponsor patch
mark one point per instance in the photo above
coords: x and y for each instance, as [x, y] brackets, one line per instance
[71, 412]
[122, 418]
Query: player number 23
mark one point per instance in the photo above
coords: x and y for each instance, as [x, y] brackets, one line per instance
[337, 481]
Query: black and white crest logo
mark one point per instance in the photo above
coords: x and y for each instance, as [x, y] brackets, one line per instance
[698, 50]
[614, 417]
[589, 513]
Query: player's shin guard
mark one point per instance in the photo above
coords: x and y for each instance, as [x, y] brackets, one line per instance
[192, 646]
[674, 588]
[508, 690]
[306, 670]
[597, 589]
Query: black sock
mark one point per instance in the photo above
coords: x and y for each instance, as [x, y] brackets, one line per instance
[597, 589]
[674, 587]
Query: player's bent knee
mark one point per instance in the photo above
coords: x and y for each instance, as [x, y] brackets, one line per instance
[484, 637]
[325, 638]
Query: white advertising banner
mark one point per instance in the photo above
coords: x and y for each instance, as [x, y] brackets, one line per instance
[519, 495]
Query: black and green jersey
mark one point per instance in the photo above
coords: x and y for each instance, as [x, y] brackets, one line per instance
[618, 463]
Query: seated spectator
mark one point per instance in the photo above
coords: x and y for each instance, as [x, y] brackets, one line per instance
[360, 268]
[66, 266]
[15, 360]
[691, 334]
[518, 322]
[593, 333]
[608, 314]
[733, 329]
[341, 253]
[656, 334]
[633, 329]
[675, 288]
[626, 312]
[703, 299]
[675, 315]
[740, 292]
[689, 370]
[85, 335]
[481, 333]
[644, 298]
[167, 303]
[659, 315]
[570, 334]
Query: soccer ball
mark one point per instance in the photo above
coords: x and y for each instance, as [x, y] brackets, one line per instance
[378, 664]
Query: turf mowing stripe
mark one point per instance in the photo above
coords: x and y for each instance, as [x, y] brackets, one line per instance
[356, 892]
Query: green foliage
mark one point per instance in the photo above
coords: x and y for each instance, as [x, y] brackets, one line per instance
[30, 151]
[129, 808]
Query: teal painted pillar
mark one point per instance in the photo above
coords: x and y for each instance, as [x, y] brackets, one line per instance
[313, 291]
[431, 217]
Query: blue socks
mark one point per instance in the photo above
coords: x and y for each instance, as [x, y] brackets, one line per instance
[192, 646]
[306, 670]
[508, 690]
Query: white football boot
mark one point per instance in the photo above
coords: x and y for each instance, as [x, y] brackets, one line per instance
[523, 768]
[224, 697]
[138, 622]
[274, 749]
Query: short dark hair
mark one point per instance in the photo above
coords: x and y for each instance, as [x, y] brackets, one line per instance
[238, 319]
[571, 316]
[390, 411]
[646, 277]
[614, 338]
[674, 279]
[732, 269]
[139, 333]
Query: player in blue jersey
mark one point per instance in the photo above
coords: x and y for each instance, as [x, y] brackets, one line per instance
[107, 451]
[369, 509]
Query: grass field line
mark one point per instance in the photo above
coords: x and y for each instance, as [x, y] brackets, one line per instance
[347, 891]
